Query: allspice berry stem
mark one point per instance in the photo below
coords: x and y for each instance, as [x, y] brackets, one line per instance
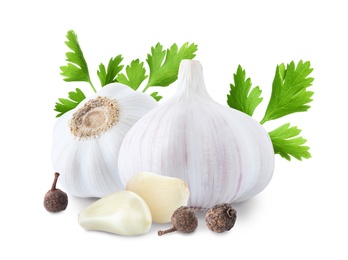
[163, 232]
[56, 175]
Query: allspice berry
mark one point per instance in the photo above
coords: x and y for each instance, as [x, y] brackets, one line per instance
[221, 217]
[55, 199]
[183, 220]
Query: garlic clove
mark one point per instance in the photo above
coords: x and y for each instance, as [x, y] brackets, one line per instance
[162, 194]
[123, 213]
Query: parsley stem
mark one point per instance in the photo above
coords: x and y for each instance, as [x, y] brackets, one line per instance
[90, 83]
[147, 86]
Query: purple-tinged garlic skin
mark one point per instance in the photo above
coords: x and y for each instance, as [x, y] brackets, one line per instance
[222, 154]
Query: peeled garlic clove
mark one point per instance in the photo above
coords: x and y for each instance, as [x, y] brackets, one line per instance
[162, 194]
[124, 213]
[87, 139]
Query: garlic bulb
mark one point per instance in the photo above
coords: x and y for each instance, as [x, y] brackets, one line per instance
[162, 194]
[123, 213]
[223, 155]
[86, 140]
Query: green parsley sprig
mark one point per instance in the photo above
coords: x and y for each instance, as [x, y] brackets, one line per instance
[286, 142]
[289, 90]
[163, 65]
[240, 97]
[76, 69]
[289, 95]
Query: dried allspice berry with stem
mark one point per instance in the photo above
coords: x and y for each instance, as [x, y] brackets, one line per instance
[55, 200]
[221, 217]
[183, 220]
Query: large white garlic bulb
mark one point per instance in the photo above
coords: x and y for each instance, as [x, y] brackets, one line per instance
[222, 154]
[86, 140]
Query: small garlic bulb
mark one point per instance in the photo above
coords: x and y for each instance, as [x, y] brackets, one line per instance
[222, 154]
[86, 140]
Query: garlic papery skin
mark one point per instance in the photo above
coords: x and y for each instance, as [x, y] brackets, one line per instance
[223, 155]
[162, 194]
[123, 213]
[86, 140]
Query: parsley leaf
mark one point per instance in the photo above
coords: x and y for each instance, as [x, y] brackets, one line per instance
[164, 64]
[76, 69]
[286, 144]
[289, 90]
[67, 104]
[109, 75]
[156, 96]
[241, 98]
[136, 74]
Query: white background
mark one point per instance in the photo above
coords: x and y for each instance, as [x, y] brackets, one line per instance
[302, 214]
